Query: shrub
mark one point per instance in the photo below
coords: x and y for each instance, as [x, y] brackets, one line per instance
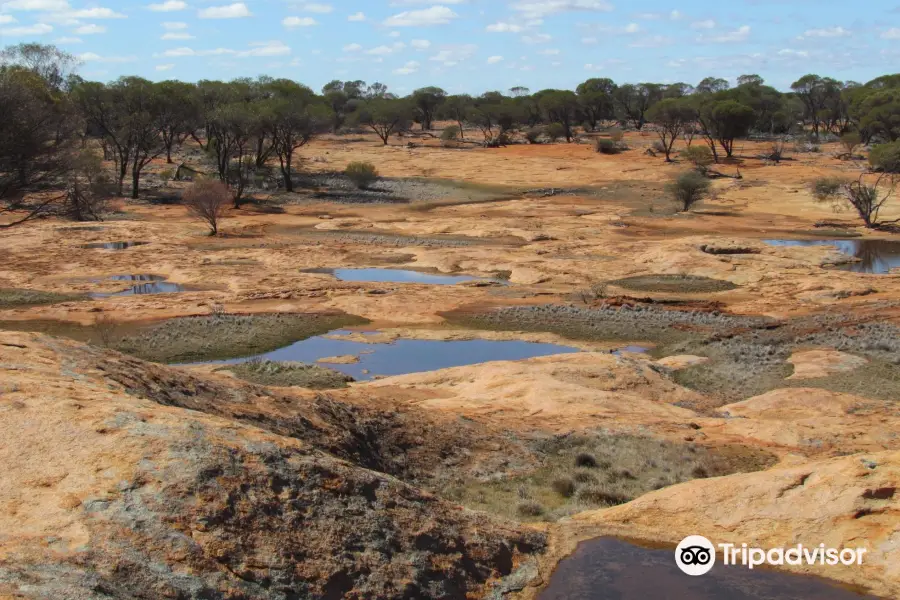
[886, 157]
[688, 189]
[206, 200]
[533, 135]
[450, 133]
[530, 508]
[658, 147]
[564, 486]
[602, 495]
[850, 141]
[616, 134]
[362, 174]
[582, 476]
[699, 156]
[606, 146]
[824, 188]
[583, 459]
[555, 131]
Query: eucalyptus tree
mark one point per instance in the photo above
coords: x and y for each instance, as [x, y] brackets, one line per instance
[385, 116]
[595, 97]
[427, 101]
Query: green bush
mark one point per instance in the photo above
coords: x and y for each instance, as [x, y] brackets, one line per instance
[616, 134]
[688, 189]
[850, 141]
[583, 459]
[450, 133]
[699, 156]
[606, 146]
[886, 157]
[824, 188]
[564, 486]
[533, 135]
[530, 508]
[362, 174]
[555, 131]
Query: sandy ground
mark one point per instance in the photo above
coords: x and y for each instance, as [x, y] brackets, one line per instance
[615, 224]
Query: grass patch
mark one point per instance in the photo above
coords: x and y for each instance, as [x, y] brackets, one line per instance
[620, 468]
[683, 284]
[288, 374]
[15, 298]
[197, 339]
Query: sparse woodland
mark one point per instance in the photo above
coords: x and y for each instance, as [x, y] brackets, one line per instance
[56, 124]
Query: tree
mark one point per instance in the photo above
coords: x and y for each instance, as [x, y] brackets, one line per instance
[427, 100]
[295, 117]
[51, 64]
[87, 188]
[711, 85]
[878, 113]
[37, 137]
[671, 116]
[232, 128]
[385, 116]
[726, 121]
[207, 201]
[178, 113]
[634, 101]
[867, 199]
[750, 80]
[457, 108]
[813, 91]
[561, 106]
[595, 96]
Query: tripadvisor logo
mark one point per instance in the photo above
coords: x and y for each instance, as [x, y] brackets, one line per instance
[696, 555]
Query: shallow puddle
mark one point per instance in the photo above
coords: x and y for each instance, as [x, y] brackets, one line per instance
[399, 276]
[408, 356]
[876, 256]
[114, 245]
[606, 568]
[152, 284]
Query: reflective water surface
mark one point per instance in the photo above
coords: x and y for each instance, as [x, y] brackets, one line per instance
[876, 256]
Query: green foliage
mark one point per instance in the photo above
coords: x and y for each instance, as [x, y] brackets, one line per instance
[851, 141]
[362, 174]
[555, 131]
[533, 135]
[825, 188]
[688, 189]
[616, 134]
[450, 133]
[606, 146]
[698, 155]
[886, 157]
[727, 120]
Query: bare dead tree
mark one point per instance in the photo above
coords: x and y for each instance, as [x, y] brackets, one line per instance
[207, 200]
[868, 200]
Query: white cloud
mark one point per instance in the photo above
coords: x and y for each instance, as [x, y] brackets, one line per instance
[352, 48]
[408, 2]
[168, 67]
[493, 60]
[589, 40]
[792, 52]
[707, 24]
[538, 9]
[168, 6]
[891, 34]
[410, 67]
[505, 28]
[36, 29]
[539, 38]
[385, 50]
[315, 7]
[675, 15]
[7, 19]
[90, 29]
[299, 22]
[360, 16]
[453, 55]
[272, 48]
[92, 13]
[652, 41]
[436, 15]
[92, 57]
[550, 52]
[174, 25]
[420, 44]
[176, 35]
[632, 28]
[738, 35]
[231, 11]
[394, 34]
[42, 5]
[827, 32]
[68, 40]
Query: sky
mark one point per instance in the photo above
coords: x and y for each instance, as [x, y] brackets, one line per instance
[466, 46]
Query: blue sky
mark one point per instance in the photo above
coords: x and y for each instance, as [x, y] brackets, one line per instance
[465, 45]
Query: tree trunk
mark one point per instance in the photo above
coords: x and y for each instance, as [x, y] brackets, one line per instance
[135, 183]
[286, 171]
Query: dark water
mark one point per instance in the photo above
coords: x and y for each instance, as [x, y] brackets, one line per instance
[408, 356]
[876, 256]
[153, 284]
[114, 245]
[613, 569]
[399, 276]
